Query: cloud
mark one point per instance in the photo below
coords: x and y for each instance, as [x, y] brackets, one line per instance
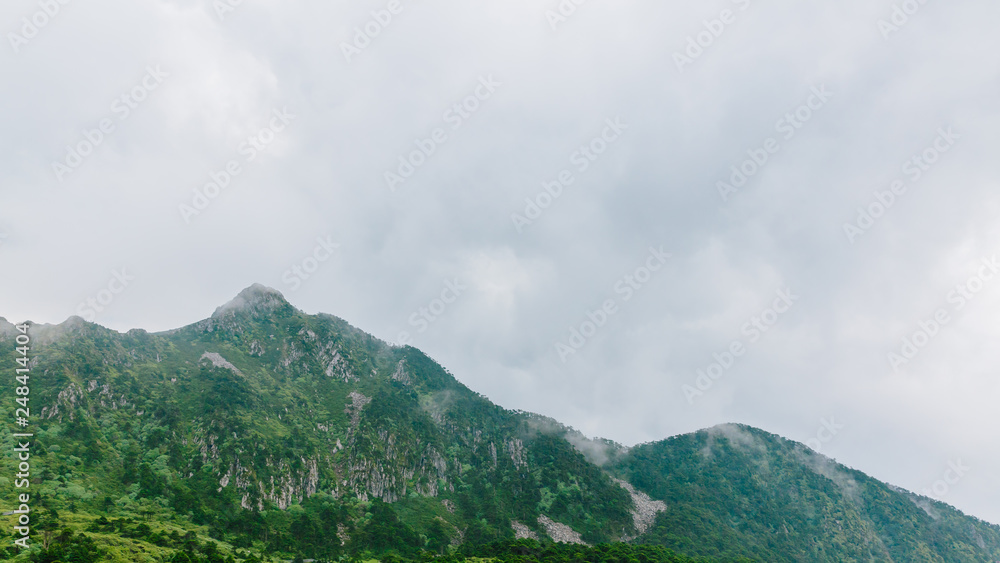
[324, 176]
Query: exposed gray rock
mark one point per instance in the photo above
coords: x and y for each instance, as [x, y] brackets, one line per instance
[522, 532]
[358, 402]
[645, 509]
[560, 532]
[220, 362]
[401, 375]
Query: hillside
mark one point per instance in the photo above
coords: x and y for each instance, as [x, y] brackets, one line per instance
[262, 431]
[738, 491]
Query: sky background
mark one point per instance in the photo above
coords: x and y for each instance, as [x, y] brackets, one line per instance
[355, 105]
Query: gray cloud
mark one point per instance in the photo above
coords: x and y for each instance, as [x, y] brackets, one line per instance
[323, 177]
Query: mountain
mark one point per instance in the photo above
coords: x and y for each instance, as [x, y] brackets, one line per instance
[738, 491]
[263, 431]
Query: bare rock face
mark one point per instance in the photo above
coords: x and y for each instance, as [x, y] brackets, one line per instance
[515, 448]
[358, 402]
[560, 532]
[401, 375]
[645, 509]
[522, 532]
[398, 469]
[336, 365]
[220, 362]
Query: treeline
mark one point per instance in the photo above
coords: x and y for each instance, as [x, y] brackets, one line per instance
[533, 551]
[68, 546]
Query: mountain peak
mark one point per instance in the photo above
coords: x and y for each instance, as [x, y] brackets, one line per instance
[257, 301]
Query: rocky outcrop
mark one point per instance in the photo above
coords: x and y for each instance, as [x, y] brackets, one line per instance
[353, 409]
[336, 365]
[522, 532]
[73, 396]
[290, 355]
[283, 486]
[69, 398]
[560, 532]
[220, 362]
[401, 374]
[515, 449]
[644, 509]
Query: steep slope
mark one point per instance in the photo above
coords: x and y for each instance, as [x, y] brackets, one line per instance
[735, 490]
[265, 431]
[271, 426]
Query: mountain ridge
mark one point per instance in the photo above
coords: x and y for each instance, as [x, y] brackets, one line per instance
[261, 421]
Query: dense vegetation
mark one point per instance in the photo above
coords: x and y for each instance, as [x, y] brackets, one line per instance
[529, 551]
[265, 433]
[738, 491]
[266, 430]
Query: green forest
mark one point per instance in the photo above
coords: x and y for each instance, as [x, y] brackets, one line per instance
[265, 434]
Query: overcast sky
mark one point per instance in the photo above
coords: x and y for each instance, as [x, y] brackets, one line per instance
[710, 155]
